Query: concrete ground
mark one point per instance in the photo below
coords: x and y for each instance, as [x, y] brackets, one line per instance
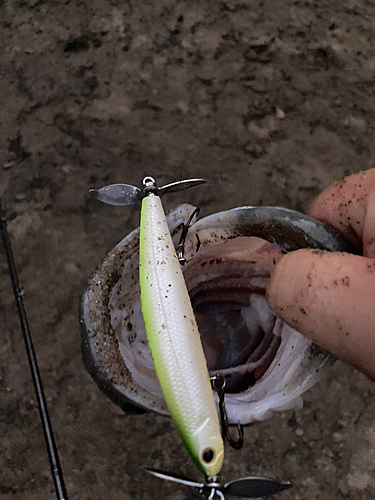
[271, 101]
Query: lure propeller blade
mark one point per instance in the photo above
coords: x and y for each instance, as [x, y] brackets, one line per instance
[254, 487]
[246, 487]
[180, 186]
[125, 194]
[174, 478]
[117, 194]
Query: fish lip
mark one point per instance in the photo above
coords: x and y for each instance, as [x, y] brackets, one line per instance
[288, 228]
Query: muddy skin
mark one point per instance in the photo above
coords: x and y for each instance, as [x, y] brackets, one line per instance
[271, 102]
[329, 284]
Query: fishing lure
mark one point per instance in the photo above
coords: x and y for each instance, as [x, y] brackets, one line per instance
[171, 328]
[174, 339]
[175, 344]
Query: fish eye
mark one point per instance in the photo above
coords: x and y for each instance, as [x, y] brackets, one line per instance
[208, 455]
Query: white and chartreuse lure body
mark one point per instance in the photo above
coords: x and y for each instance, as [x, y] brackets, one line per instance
[174, 341]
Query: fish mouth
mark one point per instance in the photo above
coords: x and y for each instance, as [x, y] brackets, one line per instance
[240, 335]
[267, 364]
[227, 284]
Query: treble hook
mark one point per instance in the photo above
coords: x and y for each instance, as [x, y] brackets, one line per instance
[180, 248]
[218, 384]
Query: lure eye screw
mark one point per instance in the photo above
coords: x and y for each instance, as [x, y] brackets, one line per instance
[149, 186]
[148, 181]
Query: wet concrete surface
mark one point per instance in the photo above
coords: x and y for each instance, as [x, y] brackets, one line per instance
[271, 101]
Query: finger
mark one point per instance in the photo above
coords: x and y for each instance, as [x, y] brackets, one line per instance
[329, 298]
[349, 205]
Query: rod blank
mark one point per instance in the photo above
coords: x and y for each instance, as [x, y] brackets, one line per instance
[38, 386]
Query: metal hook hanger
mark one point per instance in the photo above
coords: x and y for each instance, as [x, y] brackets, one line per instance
[218, 384]
[215, 492]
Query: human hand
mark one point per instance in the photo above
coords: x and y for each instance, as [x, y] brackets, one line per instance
[330, 297]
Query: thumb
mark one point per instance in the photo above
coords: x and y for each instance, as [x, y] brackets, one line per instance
[330, 299]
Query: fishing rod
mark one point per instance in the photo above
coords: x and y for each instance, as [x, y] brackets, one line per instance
[37, 381]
